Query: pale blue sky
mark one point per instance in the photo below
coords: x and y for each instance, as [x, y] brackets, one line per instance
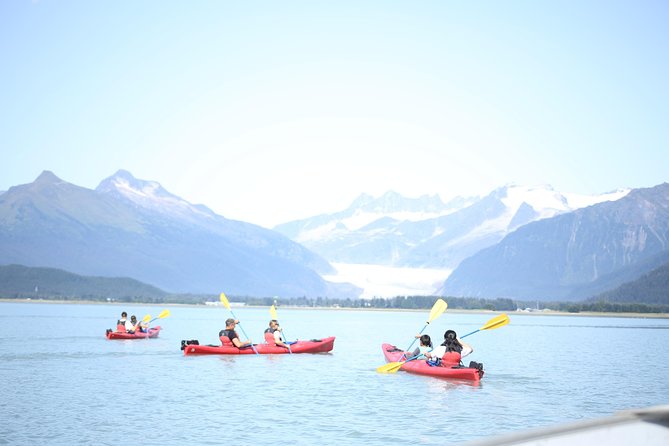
[272, 111]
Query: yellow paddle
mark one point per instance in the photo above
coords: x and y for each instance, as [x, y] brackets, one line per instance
[496, 322]
[437, 309]
[272, 313]
[163, 314]
[393, 367]
[226, 303]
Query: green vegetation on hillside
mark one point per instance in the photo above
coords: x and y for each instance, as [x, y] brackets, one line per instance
[463, 303]
[651, 288]
[603, 307]
[20, 282]
[399, 302]
[17, 281]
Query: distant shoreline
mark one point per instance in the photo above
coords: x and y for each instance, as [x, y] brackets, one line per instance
[453, 310]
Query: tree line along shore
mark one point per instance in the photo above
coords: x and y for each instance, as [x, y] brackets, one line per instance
[377, 303]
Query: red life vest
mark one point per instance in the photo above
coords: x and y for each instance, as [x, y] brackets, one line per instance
[120, 326]
[269, 338]
[451, 358]
[225, 340]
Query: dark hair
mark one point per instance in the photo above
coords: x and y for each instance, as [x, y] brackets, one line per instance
[451, 342]
[273, 320]
[450, 334]
[229, 321]
[425, 340]
[124, 314]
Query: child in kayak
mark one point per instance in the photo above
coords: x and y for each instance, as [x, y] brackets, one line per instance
[424, 347]
[273, 334]
[452, 350]
[229, 337]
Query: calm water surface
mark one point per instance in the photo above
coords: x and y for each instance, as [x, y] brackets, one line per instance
[64, 383]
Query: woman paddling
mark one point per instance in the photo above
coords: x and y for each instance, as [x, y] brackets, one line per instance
[451, 351]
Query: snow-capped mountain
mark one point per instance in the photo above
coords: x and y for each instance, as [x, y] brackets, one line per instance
[574, 255]
[152, 196]
[365, 210]
[425, 232]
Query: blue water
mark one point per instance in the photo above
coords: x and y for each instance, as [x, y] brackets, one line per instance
[64, 383]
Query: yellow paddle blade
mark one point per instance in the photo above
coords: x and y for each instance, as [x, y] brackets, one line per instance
[437, 309]
[496, 322]
[272, 312]
[163, 314]
[224, 301]
[147, 318]
[391, 367]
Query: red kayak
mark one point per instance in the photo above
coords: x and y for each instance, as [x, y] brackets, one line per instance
[152, 333]
[313, 346]
[421, 367]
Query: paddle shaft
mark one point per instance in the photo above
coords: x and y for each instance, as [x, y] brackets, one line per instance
[414, 341]
[393, 367]
[410, 359]
[468, 334]
[437, 309]
[285, 341]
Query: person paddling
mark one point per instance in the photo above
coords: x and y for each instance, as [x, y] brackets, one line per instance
[121, 323]
[131, 326]
[229, 337]
[273, 334]
[142, 326]
[452, 350]
[424, 347]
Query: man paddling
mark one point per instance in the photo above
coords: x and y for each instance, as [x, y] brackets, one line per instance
[229, 336]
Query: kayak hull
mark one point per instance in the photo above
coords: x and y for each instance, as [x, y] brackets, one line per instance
[313, 346]
[152, 333]
[421, 367]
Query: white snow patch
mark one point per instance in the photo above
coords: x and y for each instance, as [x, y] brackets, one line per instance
[388, 281]
[361, 219]
[149, 197]
[577, 201]
[543, 199]
[322, 232]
